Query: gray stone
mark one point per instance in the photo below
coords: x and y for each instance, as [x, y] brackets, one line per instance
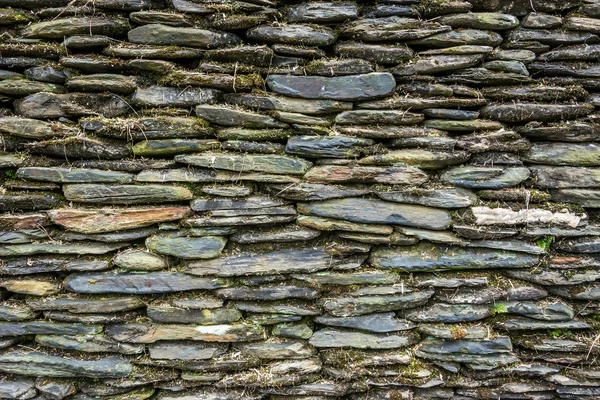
[160, 96]
[392, 28]
[314, 191]
[494, 353]
[366, 174]
[278, 351]
[40, 364]
[46, 328]
[345, 88]
[139, 260]
[378, 212]
[231, 117]
[583, 197]
[174, 315]
[106, 305]
[485, 177]
[280, 261]
[524, 112]
[62, 249]
[73, 175]
[327, 146]
[569, 154]
[427, 257]
[291, 233]
[293, 34]
[268, 293]
[421, 158]
[288, 104]
[187, 247]
[232, 204]
[379, 323]
[449, 313]
[151, 333]
[87, 344]
[190, 37]
[438, 63]
[273, 164]
[187, 351]
[461, 37]
[125, 194]
[493, 21]
[45, 105]
[169, 147]
[13, 314]
[529, 324]
[330, 338]
[383, 117]
[148, 283]
[356, 306]
[102, 82]
[442, 198]
[359, 278]
[59, 28]
[377, 53]
[322, 12]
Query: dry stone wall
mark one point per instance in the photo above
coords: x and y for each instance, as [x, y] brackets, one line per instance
[297, 200]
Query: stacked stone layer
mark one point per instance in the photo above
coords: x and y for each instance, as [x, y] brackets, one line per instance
[293, 200]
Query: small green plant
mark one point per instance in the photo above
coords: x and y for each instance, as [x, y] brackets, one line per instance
[557, 333]
[10, 173]
[545, 243]
[499, 309]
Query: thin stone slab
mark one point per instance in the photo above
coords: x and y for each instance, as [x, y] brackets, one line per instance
[392, 28]
[450, 313]
[314, 191]
[125, 194]
[59, 28]
[366, 174]
[187, 247]
[286, 104]
[344, 88]
[157, 34]
[378, 212]
[568, 154]
[151, 333]
[330, 338]
[131, 283]
[524, 112]
[174, 315]
[62, 249]
[427, 257]
[474, 177]
[87, 344]
[378, 323]
[274, 164]
[356, 306]
[281, 261]
[442, 198]
[161, 96]
[73, 175]
[105, 305]
[187, 351]
[304, 35]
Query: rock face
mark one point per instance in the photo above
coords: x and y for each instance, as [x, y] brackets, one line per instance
[299, 199]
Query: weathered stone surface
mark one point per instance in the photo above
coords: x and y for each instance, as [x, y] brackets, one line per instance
[572, 154]
[59, 28]
[495, 352]
[187, 247]
[378, 212]
[336, 338]
[379, 323]
[105, 305]
[125, 194]
[523, 112]
[231, 117]
[40, 364]
[148, 283]
[504, 216]
[290, 233]
[281, 261]
[288, 104]
[173, 315]
[426, 257]
[485, 177]
[293, 34]
[493, 21]
[55, 248]
[12, 314]
[160, 96]
[442, 198]
[344, 88]
[139, 260]
[190, 37]
[98, 221]
[73, 175]
[44, 105]
[326, 146]
[168, 147]
[365, 174]
[151, 333]
[88, 344]
[274, 164]
[421, 158]
[356, 306]
[313, 191]
[450, 313]
[381, 54]
[18, 389]
[390, 29]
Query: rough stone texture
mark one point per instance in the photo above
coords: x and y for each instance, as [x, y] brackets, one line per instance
[299, 200]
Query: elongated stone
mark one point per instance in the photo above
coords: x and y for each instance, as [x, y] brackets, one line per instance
[442, 198]
[98, 221]
[73, 175]
[523, 324]
[380, 54]
[391, 29]
[13, 314]
[139, 260]
[322, 12]
[173, 315]
[59, 28]
[46, 328]
[274, 164]
[186, 350]
[40, 364]
[31, 128]
[288, 104]
[268, 293]
[148, 128]
[358, 278]
[105, 305]
[87, 344]
[356, 306]
[329, 224]
[569, 154]
[492, 21]
[461, 37]
[524, 112]
[18, 389]
[345, 88]
[485, 177]
[378, 212]
[427, 257]
[326, 146]
[495, 352]
[131, 283]
[291, 233]
[160, 96]
[293, 34]
[52, 248]
[313, 191]
[187, 247]
[378, 323]
[281, 261]
[338, 338]
[80, 148]
[231, 117]
[125, 194]
[168, 147]
[364, 174]
[151, 333]
[438, 63]
[187, 37]
[450, 313]
[425, 159]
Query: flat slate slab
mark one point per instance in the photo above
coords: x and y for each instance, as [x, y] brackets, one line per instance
[330, 338]
[150, 333]
[187, 247]
[344, 88]
[131, 283]
[272, 164]
[126, 194]
[378, 212]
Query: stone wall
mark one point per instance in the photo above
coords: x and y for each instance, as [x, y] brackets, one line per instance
[296, 200]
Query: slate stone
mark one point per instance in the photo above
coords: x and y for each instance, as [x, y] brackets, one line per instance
[40, 364]
[344, 88]
[553, 37]
[187, 247]
[313, 191]
[280, 261]
[311, 107]
[569, 154]
[27, 202]
[331, 338]
[18, 389]
[304, 35]
[438, 63]
[427, 257]
[278, 351]
[356, 306]
[13, 314]
[46, 328]
[231, 117]
[99, 221]
[326, 146]
[492, 21]
[148, 283]
[460, 37]
[186, 351]
[529, 325]
[125, 194]
[59, 28]
[377, 53]
[392, 28]
[583, 197]
[105, 305]
[151, 333]
[442, 198]
[148, 128]
[378, 323]
[421, 158]
[556, 311]
[161, 96]
[523, 112]
[62, 249]
[495, 352]
[291, 233]
[485, 177]
[329, 224]
[378, 212]
[366, 174]
[173, 315]
[72, 175]
[191, 37]
[87, 344]
[274, 164]
[358, 278]
[450, 313]
[45, 105]
[139, 260]
[322, 12]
